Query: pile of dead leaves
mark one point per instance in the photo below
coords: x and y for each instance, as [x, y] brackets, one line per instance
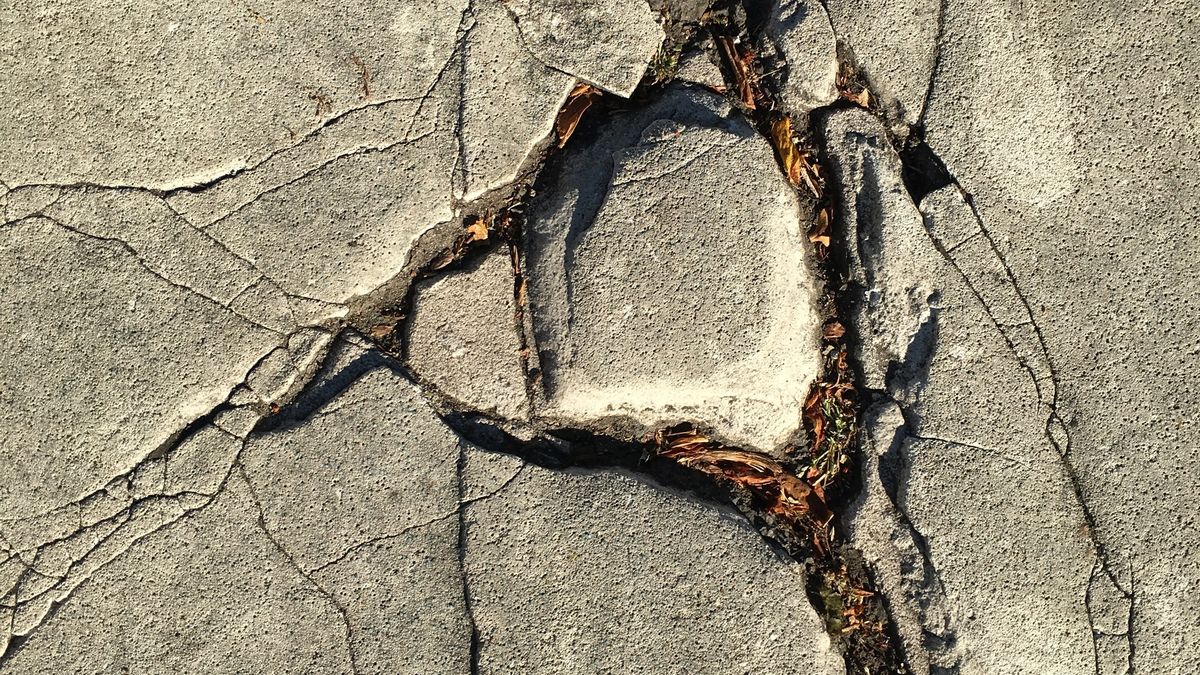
[831, 418]
[782, 494]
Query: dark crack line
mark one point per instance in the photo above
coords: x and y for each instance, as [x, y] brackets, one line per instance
[468, 602]
[261, 523]
[1053, 421]
[312, 172]
[935, 71]
[137, 257]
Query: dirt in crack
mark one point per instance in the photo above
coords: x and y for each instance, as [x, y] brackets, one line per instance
[794, 501]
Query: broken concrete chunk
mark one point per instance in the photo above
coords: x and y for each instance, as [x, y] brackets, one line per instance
[369, 464]
[669, 278]
[698, 67]
[96, 338]
[175, 112]
[608, 43]
[894, 46]
[800, 30]
[462, 337]
[510, 100]
[631, 577]
[891, 250]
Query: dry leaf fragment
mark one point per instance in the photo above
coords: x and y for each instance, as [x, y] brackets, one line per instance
[833, 330]
[382, 330]
[477, 230]
[785, 146]
[578, 101]
[740, 65]
[820, 233]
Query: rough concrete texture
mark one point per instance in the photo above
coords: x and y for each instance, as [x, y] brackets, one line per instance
[894, 45]
[969, 462]
[1034, 110]
[607, 43]
[635, 317]
[332, 541]
[617, 591]
[801, 31]
[236, 392]
[463, 338]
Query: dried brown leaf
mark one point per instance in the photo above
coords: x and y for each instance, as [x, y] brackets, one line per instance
[739, 63]
[382, 330]
[785, 147]
[833, 330]
[578, 101]
[477, 230]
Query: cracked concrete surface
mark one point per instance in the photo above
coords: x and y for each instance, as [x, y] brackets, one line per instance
[266, 407]
[628, 230]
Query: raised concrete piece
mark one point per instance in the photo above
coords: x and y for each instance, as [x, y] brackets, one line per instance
[981, 540]
[887, 229]
[631, 578]
[894, 45]
[669, 279]
[801, 32]
[463, 337]
[608, 43]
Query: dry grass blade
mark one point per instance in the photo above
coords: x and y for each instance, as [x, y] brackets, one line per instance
[739, 64]
[578, 101]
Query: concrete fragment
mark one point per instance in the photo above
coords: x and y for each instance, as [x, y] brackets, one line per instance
[894, 45]
[698, 67]
[1002, 536]
[462, 337]
[894, 300]
[608, 43]
[632, 313]
[631, 578]
[510, 100]
[321, 500]
[801, 32]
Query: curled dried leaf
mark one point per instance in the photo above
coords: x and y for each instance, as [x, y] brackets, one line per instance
[578, 101]
[477, 230]
[785, 148]
[834, 330]
[821, 230]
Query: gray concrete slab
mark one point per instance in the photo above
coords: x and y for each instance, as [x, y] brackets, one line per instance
[631, 578]
[980, 540]
[1071, 128]
[463, 337]
[634, 316]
